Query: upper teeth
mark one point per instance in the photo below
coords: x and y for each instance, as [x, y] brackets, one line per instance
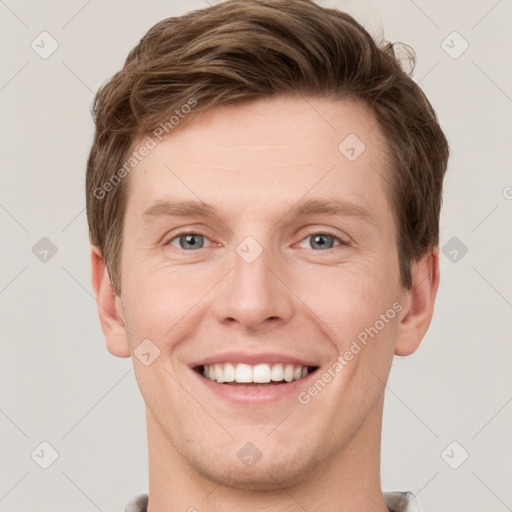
[259, 373]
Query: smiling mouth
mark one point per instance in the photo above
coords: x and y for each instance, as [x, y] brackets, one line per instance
[258, 375]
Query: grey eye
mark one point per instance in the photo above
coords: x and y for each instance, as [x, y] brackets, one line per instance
[322, 241]
[189, 241]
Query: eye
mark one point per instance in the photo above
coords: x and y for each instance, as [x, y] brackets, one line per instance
[323, 240]
[320, 240]
[188, 241]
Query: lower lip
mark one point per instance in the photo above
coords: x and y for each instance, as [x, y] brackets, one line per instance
[256, 395]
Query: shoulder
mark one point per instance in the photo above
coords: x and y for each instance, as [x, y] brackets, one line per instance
[397, 501]
[401, 501]
[138, 503]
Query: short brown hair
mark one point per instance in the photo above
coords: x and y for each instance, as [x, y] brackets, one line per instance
[242, 50]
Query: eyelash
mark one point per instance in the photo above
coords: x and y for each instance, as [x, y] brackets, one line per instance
[308, 234]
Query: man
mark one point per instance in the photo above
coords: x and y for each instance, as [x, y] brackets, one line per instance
[263, 198]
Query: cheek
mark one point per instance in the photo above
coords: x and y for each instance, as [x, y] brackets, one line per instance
[346, 299]
[161, 301]
[357, 313]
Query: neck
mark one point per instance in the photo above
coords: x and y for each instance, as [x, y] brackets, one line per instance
[348, 481]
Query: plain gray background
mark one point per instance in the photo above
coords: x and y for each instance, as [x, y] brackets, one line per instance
[60, 385]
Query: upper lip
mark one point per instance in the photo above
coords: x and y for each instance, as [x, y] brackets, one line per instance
[252, 359]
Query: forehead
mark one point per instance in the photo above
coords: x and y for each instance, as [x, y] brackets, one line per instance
[265, 153]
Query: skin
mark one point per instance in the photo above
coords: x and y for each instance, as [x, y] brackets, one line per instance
[252, 162]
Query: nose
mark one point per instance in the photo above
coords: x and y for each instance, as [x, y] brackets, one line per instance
[254, 294]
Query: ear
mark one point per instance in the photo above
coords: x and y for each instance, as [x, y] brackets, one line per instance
[418, 303]
[109, 307]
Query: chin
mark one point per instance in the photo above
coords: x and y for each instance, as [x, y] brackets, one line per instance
[274, 470]
[267, 477]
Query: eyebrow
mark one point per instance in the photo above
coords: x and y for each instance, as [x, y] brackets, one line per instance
[180, 208]
[188, 208]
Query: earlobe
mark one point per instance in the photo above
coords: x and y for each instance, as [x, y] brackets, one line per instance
[109, 307]
[419, 303]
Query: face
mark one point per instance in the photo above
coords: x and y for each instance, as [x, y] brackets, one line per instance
[259, 260]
